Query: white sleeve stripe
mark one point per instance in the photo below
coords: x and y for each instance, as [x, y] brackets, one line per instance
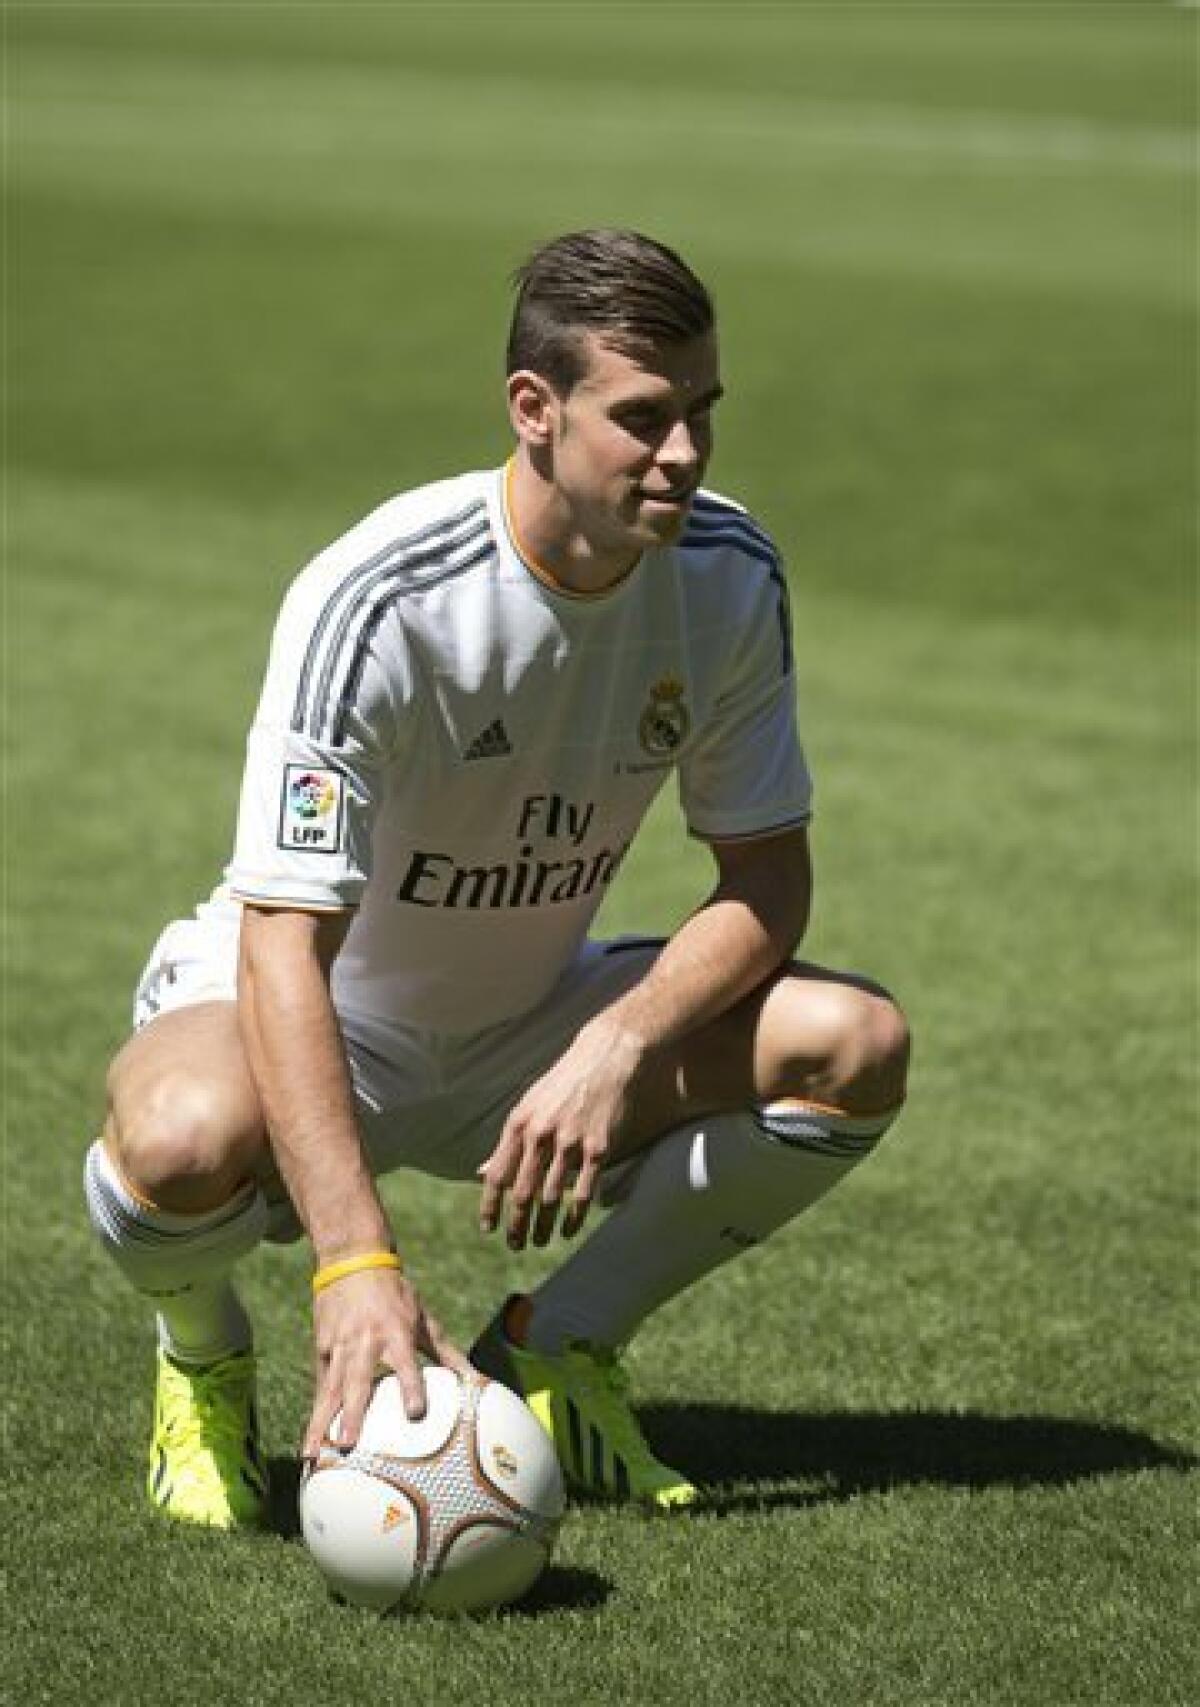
[396, 550]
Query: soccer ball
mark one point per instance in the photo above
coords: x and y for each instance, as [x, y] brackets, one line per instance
[454, 1513]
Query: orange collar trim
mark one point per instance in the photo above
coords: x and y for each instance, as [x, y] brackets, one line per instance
[537, 569]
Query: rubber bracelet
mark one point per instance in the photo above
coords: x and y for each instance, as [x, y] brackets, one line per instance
[353, 1265]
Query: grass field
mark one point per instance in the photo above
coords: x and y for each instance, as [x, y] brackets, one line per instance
[256, 284]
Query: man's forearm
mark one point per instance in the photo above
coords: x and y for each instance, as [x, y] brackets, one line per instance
[296, 1055]
[745, 931]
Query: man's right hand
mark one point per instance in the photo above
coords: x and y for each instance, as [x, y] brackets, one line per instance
[365, 1320]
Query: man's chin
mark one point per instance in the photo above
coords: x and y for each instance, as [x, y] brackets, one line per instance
[661, 523]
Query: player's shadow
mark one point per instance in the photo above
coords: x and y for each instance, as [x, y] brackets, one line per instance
[746, 1458]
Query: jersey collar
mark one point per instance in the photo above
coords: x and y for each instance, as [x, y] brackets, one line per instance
[536, 568]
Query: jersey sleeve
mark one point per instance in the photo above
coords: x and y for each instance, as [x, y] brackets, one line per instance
[327, 727]
[746, 774]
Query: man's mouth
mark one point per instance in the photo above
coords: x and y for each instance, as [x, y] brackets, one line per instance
[672, 498]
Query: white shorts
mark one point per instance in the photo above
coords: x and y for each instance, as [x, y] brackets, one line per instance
[431, 1102]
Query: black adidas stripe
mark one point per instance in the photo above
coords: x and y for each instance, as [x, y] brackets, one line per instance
[392, 553]
[159, 1489]
[800, 1132]
[573, 1427]
[621, 1477]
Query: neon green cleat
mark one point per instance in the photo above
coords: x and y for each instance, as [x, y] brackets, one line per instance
[580, 1399]
[205, 1462]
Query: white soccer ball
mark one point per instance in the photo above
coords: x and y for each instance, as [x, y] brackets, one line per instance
[455, 1513]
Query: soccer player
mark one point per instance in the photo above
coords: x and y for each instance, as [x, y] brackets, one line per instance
[470, 702]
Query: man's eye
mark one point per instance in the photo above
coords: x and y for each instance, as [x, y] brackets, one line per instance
[640, 420]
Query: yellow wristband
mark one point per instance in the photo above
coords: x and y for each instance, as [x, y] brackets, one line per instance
[353, 1265]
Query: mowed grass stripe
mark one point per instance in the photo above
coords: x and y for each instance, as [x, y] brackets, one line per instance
[1026, 203]
[1128, 64]
[112, 96]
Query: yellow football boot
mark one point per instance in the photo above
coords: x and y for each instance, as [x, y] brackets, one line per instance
[205, 1462]
[580, 1397]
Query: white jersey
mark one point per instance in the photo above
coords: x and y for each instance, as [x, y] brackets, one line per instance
[463, 752]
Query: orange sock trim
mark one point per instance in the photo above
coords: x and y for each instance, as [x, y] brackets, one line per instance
[144, 1202]
[792, 1104]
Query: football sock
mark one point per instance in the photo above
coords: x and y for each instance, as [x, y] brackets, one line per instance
[699, 1196]
[181, 1263]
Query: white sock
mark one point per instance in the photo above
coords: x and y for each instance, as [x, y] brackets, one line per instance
[699, 1196]
[179, 1262]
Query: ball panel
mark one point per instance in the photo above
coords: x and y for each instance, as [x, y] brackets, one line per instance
[365, 1535]
[386, 1428]
[515, 1453]
[484, 1566]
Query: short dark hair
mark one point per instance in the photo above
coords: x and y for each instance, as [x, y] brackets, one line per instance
[637, 293]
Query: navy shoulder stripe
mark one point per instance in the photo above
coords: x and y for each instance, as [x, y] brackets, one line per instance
[754, 545]
[393, 578]
[726, 525]
[706, 520]
[425, 546]
[351, 662]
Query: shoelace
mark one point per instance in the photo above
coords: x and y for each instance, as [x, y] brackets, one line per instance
[212, 1415]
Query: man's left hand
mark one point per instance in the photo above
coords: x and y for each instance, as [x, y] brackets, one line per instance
[560, 1135]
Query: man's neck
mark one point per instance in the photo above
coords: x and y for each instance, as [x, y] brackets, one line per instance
[550, 541]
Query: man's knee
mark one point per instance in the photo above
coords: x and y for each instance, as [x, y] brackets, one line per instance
[850, 1041]
[182, 1139]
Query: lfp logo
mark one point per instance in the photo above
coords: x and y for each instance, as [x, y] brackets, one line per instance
[311, 814]
[312, 795]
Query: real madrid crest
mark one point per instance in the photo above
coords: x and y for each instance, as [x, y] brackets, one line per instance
[665, 721]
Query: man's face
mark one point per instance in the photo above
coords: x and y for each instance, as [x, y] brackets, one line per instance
[632, 439]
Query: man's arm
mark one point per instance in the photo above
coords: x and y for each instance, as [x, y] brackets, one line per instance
[294, 1048]
[565, 1125]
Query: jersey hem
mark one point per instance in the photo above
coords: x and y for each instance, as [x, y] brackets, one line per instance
[290, 903]
[758, 834]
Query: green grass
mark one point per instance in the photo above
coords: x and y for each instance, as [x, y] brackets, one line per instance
[258, 254]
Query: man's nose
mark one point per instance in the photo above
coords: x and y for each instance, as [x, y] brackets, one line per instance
[681, 448]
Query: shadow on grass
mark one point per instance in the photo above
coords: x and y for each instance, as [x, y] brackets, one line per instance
[561, 1588]
[838, 1455]
[746, 1459]
[283, 1515]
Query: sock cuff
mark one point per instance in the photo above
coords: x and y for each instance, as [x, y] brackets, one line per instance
[824, 1131]
[106, 1184]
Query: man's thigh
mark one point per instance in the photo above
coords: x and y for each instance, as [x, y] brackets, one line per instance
[181, 1085]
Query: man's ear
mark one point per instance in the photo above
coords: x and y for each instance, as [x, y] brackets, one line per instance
[532, 408]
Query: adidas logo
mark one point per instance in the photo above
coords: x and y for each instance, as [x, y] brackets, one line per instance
[493, 743]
